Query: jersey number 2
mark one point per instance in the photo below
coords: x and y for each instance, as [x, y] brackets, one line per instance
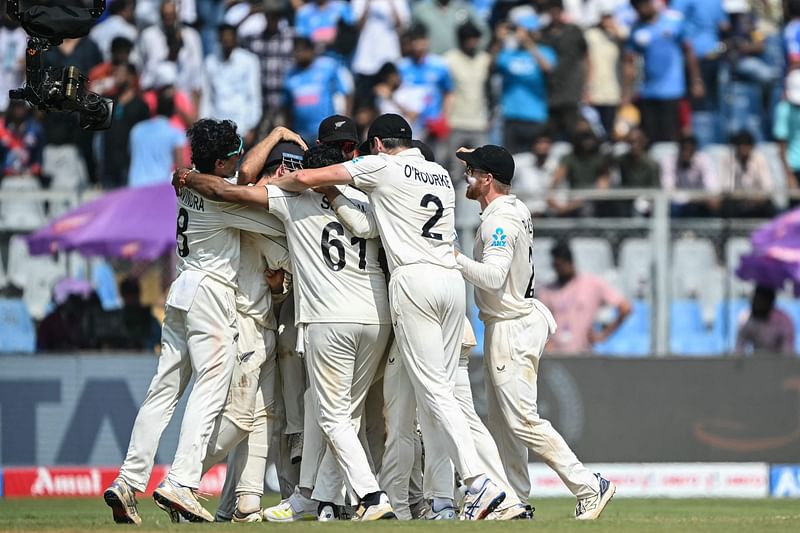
[327, 243]
[183, 240]
[426, 229]
[529, 292]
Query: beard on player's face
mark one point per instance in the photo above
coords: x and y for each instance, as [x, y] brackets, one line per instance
[476, 188]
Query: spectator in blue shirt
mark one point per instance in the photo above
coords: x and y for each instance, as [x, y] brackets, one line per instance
[428, 74]
[156, 146]
[310, 89]
[704, 20]
[319, 19]
[786, 128]
[659, 38]
[523, 65]
[791, 33]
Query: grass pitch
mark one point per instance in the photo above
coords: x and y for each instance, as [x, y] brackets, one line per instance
[82, 514]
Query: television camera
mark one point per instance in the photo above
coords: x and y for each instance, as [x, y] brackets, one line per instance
[53, 89]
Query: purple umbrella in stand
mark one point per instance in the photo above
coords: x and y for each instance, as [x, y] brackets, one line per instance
[776, 253]
[136, 223]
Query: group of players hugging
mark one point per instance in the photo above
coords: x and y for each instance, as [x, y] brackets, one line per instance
[320, 310]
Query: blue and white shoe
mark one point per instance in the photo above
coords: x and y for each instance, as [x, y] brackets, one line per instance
[478, 504]
[447, 512]
[589, 508]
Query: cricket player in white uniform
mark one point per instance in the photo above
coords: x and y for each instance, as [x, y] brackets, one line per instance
[341, 304]
[517, 328]
[413, 202]
[249, 413]
[198, 335]
[400, 411]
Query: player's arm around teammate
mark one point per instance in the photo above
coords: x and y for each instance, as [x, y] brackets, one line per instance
[354, 215]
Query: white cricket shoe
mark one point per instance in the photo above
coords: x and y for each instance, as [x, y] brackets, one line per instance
[517, 511]
[296, 507]
[590, 508]
[376, 511]
[327, 512]
[172, 496]
[479, 503]
[122, 499]
[447, 512]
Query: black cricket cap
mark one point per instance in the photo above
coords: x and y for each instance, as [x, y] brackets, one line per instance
[285, 152]
[337, 128]
[427, 153]
[491, 158]
[389, 126]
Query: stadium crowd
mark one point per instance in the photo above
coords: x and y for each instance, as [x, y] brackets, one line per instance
[589, 73]
[698, 95]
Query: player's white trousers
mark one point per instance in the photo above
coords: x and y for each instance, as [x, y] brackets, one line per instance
[199, 342]
[292, 369]
[428, 305]
[400, 442]
[249, 412]
[512, 349]
[343, 360]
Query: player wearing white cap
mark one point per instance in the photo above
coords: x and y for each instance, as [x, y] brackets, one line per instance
[342, 304]
[413, 202]
[198, 335]
[517, 328]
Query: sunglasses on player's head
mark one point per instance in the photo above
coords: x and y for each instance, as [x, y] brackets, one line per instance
[292, 162]
[238, 151]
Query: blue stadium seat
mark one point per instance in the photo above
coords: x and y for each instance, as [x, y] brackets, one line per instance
[105, 283]
[726, 322]
[477, 326]
[696, 344]
[688, 334]
[17, 333]
[632, 339]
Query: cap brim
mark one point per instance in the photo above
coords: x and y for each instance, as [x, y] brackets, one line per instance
[338, 136]
[470, 158]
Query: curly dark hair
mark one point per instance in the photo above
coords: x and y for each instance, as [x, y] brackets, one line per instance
[210, 140]
[322, 155]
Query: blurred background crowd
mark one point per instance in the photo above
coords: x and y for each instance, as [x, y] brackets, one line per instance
[606, 104]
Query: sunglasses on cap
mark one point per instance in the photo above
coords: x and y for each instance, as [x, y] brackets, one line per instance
[238, 151]
[292, 162]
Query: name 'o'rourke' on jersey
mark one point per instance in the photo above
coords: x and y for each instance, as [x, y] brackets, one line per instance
[414, 204]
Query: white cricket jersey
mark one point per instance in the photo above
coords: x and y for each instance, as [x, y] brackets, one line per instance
[505, 238]
[254, 298]
[414, 205]
[337, 277]
[208, 234]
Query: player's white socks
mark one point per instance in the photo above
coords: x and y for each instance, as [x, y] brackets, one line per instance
[439, 504]
[477, 483]
[249, 503]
